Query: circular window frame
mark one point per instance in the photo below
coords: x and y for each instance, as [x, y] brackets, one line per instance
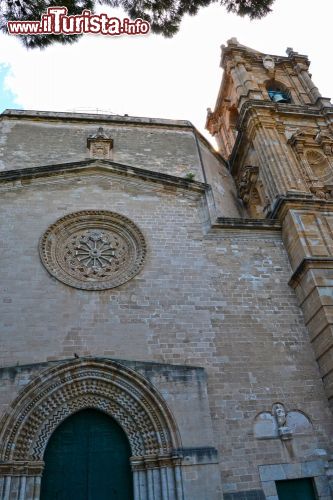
[53, 242]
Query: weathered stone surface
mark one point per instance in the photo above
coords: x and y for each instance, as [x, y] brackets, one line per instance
[208, 336]
[280, 155]
[246, 330]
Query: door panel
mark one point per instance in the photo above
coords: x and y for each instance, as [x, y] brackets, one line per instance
[296, 489]
[87, 458]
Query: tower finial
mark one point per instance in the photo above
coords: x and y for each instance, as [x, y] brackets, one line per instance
[290, 51]
[233, 41]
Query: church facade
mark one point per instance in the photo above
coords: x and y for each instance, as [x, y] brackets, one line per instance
[166, 309]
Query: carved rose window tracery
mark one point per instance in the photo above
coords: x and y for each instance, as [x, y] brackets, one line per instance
[93, 250]
[94, 253]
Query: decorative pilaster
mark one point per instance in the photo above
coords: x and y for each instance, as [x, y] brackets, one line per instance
[308, 236]
[302, 70]
[157, 477]
[20, 480]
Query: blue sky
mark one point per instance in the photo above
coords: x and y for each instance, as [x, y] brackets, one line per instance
[7, 98]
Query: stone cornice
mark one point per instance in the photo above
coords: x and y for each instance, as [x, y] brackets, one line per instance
[255, 224]
[15, 370]
[255, 56]
[154, 462]
[252, 105]
[301, 201]
[21, 468]
[309, 263]
[91, 118]
[199, 455]
[106, 166]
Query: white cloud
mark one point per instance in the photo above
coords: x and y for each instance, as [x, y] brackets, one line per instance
[170, 78]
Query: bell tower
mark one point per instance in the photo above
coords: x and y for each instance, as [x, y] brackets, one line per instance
[276, 131]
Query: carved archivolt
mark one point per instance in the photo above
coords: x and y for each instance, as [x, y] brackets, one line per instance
[247, 181]
[93, 249]
[72, 386]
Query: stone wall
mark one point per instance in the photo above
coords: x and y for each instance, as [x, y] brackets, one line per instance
[184, 390]
[216, 299]
[34, 141]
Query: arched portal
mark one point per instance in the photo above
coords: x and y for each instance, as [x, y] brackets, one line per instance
[87, 457]
[103, 385]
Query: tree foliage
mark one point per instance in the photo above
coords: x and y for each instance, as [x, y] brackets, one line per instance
[164, 16]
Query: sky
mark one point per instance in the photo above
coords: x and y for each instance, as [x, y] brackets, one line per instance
[152, 76]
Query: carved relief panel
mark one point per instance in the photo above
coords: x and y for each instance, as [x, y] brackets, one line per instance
[314, 152]
[280, 423]
[100, 145]
[251, 191]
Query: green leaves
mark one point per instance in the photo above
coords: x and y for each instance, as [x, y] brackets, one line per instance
[255, 9]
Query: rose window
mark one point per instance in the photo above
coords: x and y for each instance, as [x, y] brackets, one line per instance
[93, 250]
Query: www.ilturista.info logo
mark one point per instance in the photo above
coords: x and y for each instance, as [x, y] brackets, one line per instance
[56, 21]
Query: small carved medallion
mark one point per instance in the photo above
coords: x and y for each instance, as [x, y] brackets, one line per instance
[268, 63]
[100, 145]
[93, 250]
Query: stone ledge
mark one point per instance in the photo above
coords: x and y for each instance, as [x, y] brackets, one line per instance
[309, 263]
[245, 495]
[174, 373]
[25, 174]
[202, 455]
[94, 117]
[21, 468]
[298, 201]
[166, 368]
[234, 223]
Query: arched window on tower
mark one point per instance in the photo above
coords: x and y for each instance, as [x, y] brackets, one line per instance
[278, 92]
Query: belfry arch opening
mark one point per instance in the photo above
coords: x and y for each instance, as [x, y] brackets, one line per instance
[278, 92]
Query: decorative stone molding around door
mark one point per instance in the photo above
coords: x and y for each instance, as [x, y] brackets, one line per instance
[107, 386]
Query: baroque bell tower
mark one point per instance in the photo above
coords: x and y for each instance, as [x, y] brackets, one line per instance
[276, 131]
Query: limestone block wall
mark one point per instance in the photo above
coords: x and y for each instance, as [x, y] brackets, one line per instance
[308, 237]
[157, 146]
[217, 175]
[262, 354]
[164, 146]
[216, 299]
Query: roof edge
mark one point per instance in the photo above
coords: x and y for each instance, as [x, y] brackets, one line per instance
[63, 115]
[107, 165]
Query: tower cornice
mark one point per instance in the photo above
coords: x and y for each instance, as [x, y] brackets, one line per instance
[299, 201]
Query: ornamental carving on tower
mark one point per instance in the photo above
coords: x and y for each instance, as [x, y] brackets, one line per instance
[93, 250]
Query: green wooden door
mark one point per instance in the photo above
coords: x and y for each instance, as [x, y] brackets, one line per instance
[87, 458]
[296, 489]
